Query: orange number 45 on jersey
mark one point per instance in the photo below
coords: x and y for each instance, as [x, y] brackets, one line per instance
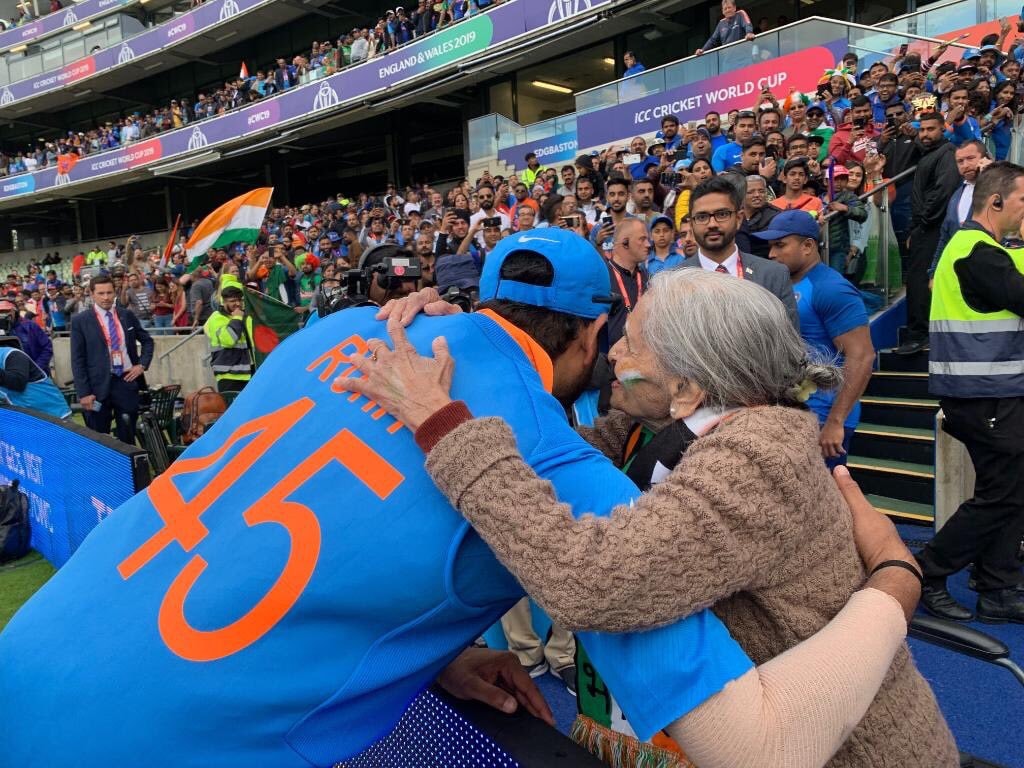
[182, 524]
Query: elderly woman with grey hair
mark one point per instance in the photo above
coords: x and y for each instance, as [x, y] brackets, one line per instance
[748, 522]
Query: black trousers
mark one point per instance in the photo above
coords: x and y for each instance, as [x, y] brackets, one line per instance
[987, 529]
[923, 242]
[230, 385]
[121, 403]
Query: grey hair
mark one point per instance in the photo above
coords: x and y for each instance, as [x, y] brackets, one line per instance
[730, 337]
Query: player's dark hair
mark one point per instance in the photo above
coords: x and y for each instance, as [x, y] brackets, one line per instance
[554, 331]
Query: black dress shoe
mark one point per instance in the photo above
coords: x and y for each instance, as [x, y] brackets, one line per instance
[937, 601]
[1000, 606]
[911, 347]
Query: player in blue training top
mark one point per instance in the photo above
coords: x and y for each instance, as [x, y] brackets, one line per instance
[283, 591]
[833, 322]
[294, 580]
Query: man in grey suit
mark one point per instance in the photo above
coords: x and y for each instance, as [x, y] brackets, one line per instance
[715, 210]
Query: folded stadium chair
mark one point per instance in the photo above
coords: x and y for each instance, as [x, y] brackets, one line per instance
[968, 642]
[965, 640]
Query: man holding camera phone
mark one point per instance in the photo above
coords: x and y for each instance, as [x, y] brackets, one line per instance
[603, 233]
[485, 195]
[852, 139]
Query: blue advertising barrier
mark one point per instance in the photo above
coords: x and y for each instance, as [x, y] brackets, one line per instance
[74, 477]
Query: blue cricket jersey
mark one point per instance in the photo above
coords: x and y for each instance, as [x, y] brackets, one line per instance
[829, 306]
[294, 580]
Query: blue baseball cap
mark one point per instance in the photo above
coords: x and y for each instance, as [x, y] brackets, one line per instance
[790, 223]
[333, 236]
[580, 286]
[994, 49]
[661, 219]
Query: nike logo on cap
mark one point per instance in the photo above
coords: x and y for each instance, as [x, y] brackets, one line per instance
[525, 239]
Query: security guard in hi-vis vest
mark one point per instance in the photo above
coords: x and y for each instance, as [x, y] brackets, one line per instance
[976, 367]
[228, 331]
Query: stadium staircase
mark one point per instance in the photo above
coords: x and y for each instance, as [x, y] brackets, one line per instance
[893, 451]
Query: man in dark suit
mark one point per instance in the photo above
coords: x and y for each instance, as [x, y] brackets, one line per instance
[972, 158]
[716, 206]
[106, 361]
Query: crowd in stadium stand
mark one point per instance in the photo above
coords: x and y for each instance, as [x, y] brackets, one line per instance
[815, 151]
[396, 28]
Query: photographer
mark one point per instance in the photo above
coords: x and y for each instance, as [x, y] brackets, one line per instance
[385, 272]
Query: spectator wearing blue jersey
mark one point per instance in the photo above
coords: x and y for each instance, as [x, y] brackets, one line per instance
[963, 126]
[833, 323]
[713, 126]
[730, 153]
[34, 340]
[54, 305]
[885, 95]
[664, 254]
[26, 385]
[633, 67]
[998, 123]
[669, 133]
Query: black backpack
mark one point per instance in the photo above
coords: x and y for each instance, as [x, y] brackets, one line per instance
[15, 531]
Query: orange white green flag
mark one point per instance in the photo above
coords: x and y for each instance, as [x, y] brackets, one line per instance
[237, 221]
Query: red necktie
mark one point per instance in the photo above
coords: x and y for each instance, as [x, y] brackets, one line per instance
[721, 268]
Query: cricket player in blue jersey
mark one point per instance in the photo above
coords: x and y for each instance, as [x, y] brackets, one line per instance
[282, 592]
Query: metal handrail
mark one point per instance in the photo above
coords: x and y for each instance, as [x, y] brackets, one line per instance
[196, 332]
[875, 30]
[886, 183]
[883, 235]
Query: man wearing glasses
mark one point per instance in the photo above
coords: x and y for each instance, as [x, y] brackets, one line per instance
[523, 200]
[715, 211]
[485, 196]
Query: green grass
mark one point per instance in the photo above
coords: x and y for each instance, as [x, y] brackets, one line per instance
[19, 581]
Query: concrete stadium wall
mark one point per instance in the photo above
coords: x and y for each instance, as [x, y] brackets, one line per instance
[67, 251]
[188, 365]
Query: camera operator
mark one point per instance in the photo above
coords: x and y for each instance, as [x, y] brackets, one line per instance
[25, 384]
[385, 272]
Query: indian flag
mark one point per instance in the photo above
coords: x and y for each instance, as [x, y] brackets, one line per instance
[237, 221]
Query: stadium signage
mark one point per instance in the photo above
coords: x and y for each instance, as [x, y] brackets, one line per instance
[442, 47]
[736, 89]
[54, 22]
[350, 86]
[549, 150]
[73, 477]
[194, 22]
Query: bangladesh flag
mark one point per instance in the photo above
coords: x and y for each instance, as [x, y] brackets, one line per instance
[272, 322]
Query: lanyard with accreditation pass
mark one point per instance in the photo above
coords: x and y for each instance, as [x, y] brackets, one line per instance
[622, 287]
[739, 267]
